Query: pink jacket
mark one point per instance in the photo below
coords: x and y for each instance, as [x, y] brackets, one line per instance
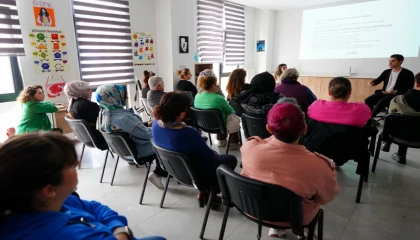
[351, 114]
[293, 167]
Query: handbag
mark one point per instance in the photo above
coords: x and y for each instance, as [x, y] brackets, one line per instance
[233, 123]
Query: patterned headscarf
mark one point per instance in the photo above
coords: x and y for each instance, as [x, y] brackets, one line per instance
[110, 97]
[74, 90]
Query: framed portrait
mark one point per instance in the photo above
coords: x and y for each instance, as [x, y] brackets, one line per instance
[183, 44]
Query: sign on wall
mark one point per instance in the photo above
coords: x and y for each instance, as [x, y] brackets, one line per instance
[54, 86]
[143, 49]
[49, 51]
[43, 13]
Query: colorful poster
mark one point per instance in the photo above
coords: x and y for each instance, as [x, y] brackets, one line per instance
[49, 50]
[143, 49]
[43, 13]
[55, 86]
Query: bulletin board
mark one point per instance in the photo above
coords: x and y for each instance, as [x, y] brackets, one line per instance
[143, 49]
[49, 51]
[43, 13]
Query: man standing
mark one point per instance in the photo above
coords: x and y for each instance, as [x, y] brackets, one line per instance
[157, 88]
[397, 81]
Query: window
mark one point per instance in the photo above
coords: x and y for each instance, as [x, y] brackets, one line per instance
[234, 34]
[104, 41]
[11, 79]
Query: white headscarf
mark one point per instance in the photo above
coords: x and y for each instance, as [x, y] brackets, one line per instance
[74, 90]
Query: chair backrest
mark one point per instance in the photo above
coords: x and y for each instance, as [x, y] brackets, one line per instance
[147, 109]
[236, 105]
[263, 201]
[121, 144]
[405, 128]
[82, 131]
[254, 126]
[178, 165]
[209, 120]
[190, 97]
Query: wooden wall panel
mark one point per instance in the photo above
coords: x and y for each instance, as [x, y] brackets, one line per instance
[323, 95]
[313, 83]
[361, 89]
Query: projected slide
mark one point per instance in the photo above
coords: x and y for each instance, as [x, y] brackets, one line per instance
[364, 30]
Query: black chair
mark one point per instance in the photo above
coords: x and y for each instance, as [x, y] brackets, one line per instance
[254, 126]
[120, 144]
[400, 129]
[210, 121]
[84, 133]
[236, 105]
[266, 202]
[147, 109]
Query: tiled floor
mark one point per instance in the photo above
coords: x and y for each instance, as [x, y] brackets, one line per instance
[389, 208]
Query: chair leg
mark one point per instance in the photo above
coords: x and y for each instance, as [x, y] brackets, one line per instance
[378, 148]
[372, 145]
[240, 137]
[320, 224]
[206, 216]
[311, 233]
[145, 182]
[225, 217]
[228, 145]
[115, 170]
[103, 169]
[81, 156]
[211, 142]
[111, 154]
[359, 189]
[259, 231]
[164, 191]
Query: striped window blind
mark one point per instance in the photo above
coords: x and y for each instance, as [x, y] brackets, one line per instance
[235, 34]
[210, 35]
[104, 41]
[10, 36]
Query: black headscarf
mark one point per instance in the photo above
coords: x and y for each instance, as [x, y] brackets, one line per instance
[263, 83]
[262, 91]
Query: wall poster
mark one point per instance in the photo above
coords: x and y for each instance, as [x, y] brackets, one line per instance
[49, 50]
[143, 49]
[43, 13]
[54, 86]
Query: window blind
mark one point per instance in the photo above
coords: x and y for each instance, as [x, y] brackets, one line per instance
[210, 31]
[10, 36]
[235, 34]
[104, 41]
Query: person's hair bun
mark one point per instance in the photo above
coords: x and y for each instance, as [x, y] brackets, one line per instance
[178, 72]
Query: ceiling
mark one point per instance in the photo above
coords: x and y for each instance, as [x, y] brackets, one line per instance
[283, 4]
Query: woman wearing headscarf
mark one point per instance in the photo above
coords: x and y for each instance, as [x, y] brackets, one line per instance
[261, 98]
[114, 118]
[81, 107]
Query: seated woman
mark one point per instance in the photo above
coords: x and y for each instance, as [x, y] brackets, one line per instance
[338, 110]
[146, 88]
[114, 118]
[208, 99]
[184, 83]
[279, 71]
[261, 98]
[290, 87]
[171, 133]
[81, 107]
[288, 164]
[205, 73]
[41, 207]
[34, 117]
[236, 83]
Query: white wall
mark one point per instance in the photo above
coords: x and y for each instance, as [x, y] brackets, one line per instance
[264, 25]
[287, 38]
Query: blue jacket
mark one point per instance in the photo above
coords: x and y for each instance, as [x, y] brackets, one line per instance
[131, 123]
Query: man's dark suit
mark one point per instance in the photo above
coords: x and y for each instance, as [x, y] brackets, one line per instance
[378, 101]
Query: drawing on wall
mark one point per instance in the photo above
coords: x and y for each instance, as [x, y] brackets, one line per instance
[183, 44]
[49, 50]
[260, 45]
[143, 49]
[54, 86]
[43, 13]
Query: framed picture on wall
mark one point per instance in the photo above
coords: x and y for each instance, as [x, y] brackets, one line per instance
[183, 44]
[261, 46]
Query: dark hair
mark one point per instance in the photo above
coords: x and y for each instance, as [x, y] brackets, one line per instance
[46, 12]
[207, 82]
[286, 121]
[28, 93]
[146, 75]
[28, 163]
[339, 87]
[171, 105]
[399, 57]
[236, 82]
[417, 78]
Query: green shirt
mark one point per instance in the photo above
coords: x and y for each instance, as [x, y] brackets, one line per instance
[34, 117]
[207, 100]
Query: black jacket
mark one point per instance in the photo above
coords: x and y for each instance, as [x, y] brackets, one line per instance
[339, 142]
[405, 80]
